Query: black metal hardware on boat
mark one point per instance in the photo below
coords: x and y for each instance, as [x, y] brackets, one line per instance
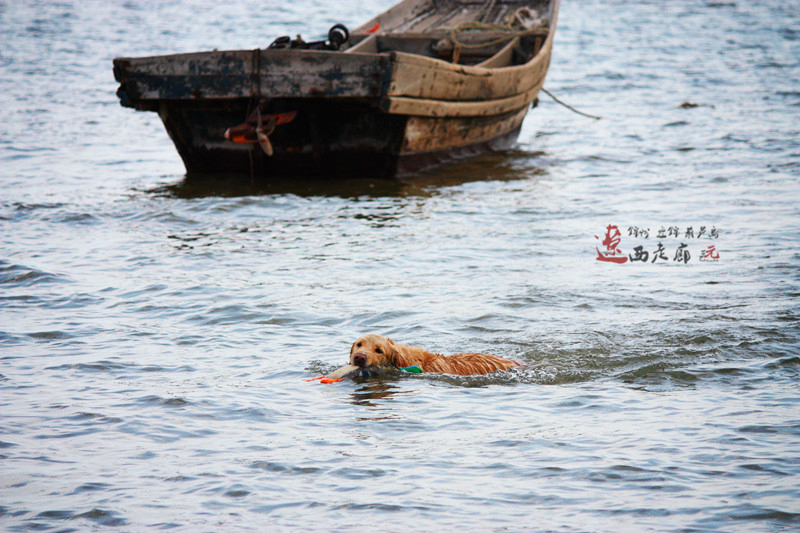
[337, 36]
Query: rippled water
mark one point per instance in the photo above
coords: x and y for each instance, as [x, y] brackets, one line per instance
[155, 334]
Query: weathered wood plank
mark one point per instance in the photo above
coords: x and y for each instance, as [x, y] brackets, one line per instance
[426, 134]
[399, 17]
[502, 58]
[422, 77]
[246, 73]
[436, 108]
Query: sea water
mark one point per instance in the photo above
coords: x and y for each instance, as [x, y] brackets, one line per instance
[156, 333]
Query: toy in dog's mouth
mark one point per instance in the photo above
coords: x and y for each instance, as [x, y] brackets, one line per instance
[338, 374]
[363, 371]
[358, 368]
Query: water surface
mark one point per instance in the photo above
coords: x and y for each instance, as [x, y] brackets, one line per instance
[156, 333]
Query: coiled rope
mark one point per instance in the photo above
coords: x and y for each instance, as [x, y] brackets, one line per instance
[518, 24]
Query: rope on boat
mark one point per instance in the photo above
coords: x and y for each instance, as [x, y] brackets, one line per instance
[551, 95]
[520, 23]
[481, 26]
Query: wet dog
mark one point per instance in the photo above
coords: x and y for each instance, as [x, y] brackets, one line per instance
[376, 350]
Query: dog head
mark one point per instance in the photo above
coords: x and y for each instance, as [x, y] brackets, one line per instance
[373, 350]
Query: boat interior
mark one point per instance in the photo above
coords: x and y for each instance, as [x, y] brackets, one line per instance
[484, 33]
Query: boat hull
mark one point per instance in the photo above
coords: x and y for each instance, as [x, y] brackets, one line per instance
[327, 138]
[332, 139]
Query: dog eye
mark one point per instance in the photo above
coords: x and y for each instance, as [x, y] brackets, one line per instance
[378, 350]
[358, 345]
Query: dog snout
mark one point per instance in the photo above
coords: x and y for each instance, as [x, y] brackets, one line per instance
[360, 359]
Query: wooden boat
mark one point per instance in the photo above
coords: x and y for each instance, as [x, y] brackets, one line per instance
[425, 81]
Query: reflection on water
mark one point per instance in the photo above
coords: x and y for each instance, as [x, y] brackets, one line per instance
[370, 391]
[506, 165]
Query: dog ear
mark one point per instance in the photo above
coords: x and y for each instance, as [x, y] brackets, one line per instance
[394, 354]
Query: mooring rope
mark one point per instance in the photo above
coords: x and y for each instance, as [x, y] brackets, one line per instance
[551, 95]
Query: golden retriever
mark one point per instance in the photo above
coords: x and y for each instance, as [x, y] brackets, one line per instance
[376, 350]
